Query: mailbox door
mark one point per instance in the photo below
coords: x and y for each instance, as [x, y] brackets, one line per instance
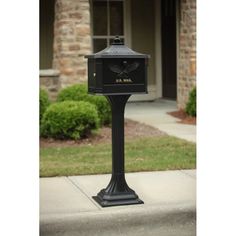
[124, 75]
[91, 75]
[94, 75]
[99, 75]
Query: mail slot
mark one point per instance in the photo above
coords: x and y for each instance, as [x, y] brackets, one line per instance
[117, 70]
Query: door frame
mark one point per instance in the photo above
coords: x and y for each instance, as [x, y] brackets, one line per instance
[158, 49]
[152, 89]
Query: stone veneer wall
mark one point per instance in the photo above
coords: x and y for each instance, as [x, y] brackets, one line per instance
[187, 51]
[50, 81]
[72, 40]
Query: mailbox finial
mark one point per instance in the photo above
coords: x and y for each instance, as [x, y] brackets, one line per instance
[117, 41]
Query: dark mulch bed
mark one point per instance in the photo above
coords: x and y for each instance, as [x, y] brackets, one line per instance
[133, 130]
[184, 118]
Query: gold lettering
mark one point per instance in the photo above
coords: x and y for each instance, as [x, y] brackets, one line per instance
[124, 80]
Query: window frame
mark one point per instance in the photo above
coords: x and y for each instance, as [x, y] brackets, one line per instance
[107, 37]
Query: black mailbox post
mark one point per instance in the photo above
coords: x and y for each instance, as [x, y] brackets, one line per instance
[117, 72]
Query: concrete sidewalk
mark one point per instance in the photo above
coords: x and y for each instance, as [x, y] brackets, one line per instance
[155, 114]
[66, 206]
[169, 209]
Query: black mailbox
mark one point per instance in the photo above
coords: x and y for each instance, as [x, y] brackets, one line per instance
[117, 70]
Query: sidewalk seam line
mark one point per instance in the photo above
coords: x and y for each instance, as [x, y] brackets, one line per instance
[189, 175]
[72, 182]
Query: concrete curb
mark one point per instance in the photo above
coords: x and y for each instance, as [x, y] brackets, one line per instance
[169, 208]
[135, 220]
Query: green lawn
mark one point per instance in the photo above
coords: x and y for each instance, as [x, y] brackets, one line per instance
[147, 154]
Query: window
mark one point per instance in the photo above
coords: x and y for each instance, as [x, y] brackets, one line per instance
[108, 21]
[46, 33]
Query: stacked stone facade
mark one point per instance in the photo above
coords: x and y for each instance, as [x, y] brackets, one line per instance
[72, 40]
[50, 81]
[187, 51]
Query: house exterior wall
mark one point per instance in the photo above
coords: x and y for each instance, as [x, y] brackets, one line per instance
[187, 51]
[50, 81]
[72, 40]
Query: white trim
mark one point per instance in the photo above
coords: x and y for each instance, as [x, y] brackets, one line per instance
[158, 52]
[155, 90]
[107, 37]
[151, 96]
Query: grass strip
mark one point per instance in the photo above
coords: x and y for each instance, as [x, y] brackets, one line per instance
[145, 154]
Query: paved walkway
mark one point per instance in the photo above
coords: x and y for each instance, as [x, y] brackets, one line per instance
[155, 114]
[66, 206]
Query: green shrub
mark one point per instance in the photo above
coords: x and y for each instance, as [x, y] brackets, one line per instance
[191, 105]
[73, 93]
[78, 92]
[103, 107]
[43, 102]
[69, 120]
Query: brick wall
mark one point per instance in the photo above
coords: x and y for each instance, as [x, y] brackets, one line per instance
[187, 51]
[72, 40]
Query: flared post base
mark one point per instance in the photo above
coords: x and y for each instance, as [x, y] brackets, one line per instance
[120, 202]
[117, 193]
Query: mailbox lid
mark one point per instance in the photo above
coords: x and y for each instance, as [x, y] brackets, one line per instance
[117, 50]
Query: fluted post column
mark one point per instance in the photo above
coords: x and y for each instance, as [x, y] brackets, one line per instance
[117, 192]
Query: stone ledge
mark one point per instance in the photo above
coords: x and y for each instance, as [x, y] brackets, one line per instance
[50, 80]
[49, 73]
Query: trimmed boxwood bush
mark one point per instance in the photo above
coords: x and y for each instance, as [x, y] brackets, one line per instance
[43, 102]
[73, 93]
[103, 107]
[78, 92]
[191, 105]
[69, 120]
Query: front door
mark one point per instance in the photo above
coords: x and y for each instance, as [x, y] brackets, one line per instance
[168, 29]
